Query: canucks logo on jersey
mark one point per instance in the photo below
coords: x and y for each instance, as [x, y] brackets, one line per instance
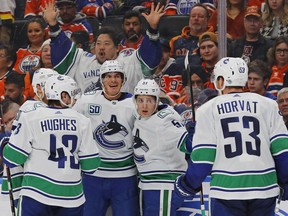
[139, 143]
[106, 129]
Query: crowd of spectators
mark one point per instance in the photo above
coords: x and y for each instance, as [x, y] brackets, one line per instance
[257, 31]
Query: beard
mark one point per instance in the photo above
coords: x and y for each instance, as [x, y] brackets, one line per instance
[132, 36]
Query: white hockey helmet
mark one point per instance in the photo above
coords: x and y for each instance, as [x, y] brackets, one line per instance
[55, 85]
[233, 70]
[147, 87]
[39, 78]
[110, 66]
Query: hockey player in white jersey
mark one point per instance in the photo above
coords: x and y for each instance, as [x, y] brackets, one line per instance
[242, 141]
[38, 83]
[158, 137]
[55, 146]
[84, 67]
[111, 113]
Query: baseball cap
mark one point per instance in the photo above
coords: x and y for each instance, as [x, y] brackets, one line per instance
[58, 2]
[253, 11]
[205, 95]
[208, 36]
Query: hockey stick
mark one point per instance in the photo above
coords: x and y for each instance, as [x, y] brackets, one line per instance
[9, 181]
[187, 68]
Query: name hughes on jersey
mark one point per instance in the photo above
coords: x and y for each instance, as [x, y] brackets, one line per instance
[236, 106]
[58, 124]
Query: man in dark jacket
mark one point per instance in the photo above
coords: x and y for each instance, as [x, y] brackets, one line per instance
[253, 45]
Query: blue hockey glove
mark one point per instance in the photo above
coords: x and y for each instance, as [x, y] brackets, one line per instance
[180, 108]
[182, 189]
[284, 192]
[190, 127]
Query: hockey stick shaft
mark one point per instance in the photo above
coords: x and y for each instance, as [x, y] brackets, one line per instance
[10, 190]
[187, 67]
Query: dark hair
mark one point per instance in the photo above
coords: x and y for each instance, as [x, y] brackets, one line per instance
[271, 51]
[259, 67]
[81, 37]
[9, 52]
[15, 78]
[131, 13]
[112, 34]
[204, 7]
[38, 20]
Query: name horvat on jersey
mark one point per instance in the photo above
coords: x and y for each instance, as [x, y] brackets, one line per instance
[236, 106]
[58, 124]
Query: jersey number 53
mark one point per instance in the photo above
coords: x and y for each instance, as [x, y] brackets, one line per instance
[248, 139]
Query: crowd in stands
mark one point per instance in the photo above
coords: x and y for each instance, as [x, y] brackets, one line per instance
[257, 30]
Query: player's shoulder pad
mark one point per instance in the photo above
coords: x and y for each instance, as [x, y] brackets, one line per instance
[30, 106]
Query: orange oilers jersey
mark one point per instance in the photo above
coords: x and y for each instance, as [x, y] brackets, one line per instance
[27, 60]
[72, 27]
[33, 7]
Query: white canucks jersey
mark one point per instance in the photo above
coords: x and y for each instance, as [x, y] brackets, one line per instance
[84, 68]
[236, 133]
[17, 172]
[54, 145]
[157, 154]
[112, 123]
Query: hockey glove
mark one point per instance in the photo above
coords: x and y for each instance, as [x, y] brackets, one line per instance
[284, 192]
[182, 189]
[190, 127]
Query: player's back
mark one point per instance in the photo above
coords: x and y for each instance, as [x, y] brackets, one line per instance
[52, 143]
[243, 126]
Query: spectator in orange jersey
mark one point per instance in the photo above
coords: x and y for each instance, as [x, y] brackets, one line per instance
[7, 59]
[29, 58]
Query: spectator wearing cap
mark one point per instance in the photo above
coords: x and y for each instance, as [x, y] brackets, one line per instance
[208, 50]
[70, 20]
[34, 7]
[253, 45]
[168, 74]
[258, 77]
[198, 79]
